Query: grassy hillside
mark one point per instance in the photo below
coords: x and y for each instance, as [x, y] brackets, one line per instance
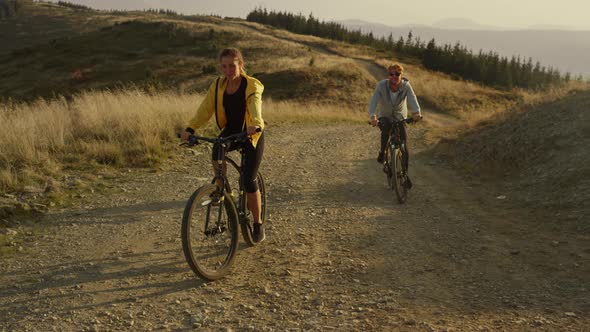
[178, 53]
[157, 51]
[40, 22]
[540, 155]
[139, 52]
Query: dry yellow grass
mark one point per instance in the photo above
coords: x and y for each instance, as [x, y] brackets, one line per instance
[458, 98]
[532, 98]
[122, 128]
[290, 51]
[289, 112]
[126, 127]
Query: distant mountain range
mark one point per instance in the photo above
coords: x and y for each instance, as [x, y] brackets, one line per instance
[462, 23]
[566, 50]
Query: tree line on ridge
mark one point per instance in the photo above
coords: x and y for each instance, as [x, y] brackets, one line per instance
[488, 68]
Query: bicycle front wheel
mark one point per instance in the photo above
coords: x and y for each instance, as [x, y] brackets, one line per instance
[388, 165]
[399, 176]
[248, 222]
[209, 232]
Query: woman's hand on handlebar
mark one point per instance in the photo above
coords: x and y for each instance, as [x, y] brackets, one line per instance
[416, 117]
[185, 135]
[252, 130]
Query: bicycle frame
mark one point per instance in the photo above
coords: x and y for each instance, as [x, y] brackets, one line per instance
[220, 232]
[395, 136]
[219, 176]
[396, 150]
[221, 157]
[241, 203]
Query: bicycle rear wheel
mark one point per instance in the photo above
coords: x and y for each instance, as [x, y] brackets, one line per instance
[247, 223]
[209, 232]
[399, 176]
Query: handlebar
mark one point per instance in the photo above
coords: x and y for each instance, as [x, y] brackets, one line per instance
[407, 120]
[239, 137]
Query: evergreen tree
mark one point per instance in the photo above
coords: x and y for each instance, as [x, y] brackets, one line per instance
[390, 41]
[430, 56]
[487, 68]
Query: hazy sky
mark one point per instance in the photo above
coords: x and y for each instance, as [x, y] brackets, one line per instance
[501, 13]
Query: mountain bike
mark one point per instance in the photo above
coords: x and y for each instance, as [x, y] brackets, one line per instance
[395, 161]
[214, 212]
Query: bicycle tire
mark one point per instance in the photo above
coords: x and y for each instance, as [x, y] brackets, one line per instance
[209, 252]
[248, 223]
[389, 153]
[398, 176]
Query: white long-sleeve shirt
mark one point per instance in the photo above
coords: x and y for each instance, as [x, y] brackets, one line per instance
[394, 105]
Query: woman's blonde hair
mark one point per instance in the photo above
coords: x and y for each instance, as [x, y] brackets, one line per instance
[397, 67]
[235, 53]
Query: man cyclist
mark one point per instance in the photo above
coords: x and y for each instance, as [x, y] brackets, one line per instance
[393, 95]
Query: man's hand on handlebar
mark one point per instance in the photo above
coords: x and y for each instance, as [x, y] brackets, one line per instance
[374, 120]
[415, 118]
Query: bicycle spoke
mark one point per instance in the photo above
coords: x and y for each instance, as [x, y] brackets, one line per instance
[399, 177]
[209, 237]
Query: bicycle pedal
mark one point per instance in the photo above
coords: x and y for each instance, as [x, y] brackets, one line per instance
[214, 231]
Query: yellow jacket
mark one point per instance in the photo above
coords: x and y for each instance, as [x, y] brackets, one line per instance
[207, 108]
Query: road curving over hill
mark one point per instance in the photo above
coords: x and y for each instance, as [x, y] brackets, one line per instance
[341, 253]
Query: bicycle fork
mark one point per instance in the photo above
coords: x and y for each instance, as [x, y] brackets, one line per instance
[389, 154]
[216, 200]
[219, 224]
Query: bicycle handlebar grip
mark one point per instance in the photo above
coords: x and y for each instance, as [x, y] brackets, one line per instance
[192, 140]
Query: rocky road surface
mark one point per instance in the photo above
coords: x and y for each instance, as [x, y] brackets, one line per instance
[341, 253]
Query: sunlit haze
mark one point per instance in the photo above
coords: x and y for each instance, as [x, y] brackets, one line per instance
[504, 14]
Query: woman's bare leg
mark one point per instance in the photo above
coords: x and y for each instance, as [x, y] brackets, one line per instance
[255, 205]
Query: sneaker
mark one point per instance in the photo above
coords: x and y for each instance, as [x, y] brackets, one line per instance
[380, 157]
[258, 233]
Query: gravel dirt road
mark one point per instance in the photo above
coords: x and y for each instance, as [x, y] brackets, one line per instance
[340, 254]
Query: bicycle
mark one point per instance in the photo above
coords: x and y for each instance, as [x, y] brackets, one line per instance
[214, 211]
[395, 161]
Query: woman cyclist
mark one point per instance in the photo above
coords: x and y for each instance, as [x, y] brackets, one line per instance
[236, 101]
